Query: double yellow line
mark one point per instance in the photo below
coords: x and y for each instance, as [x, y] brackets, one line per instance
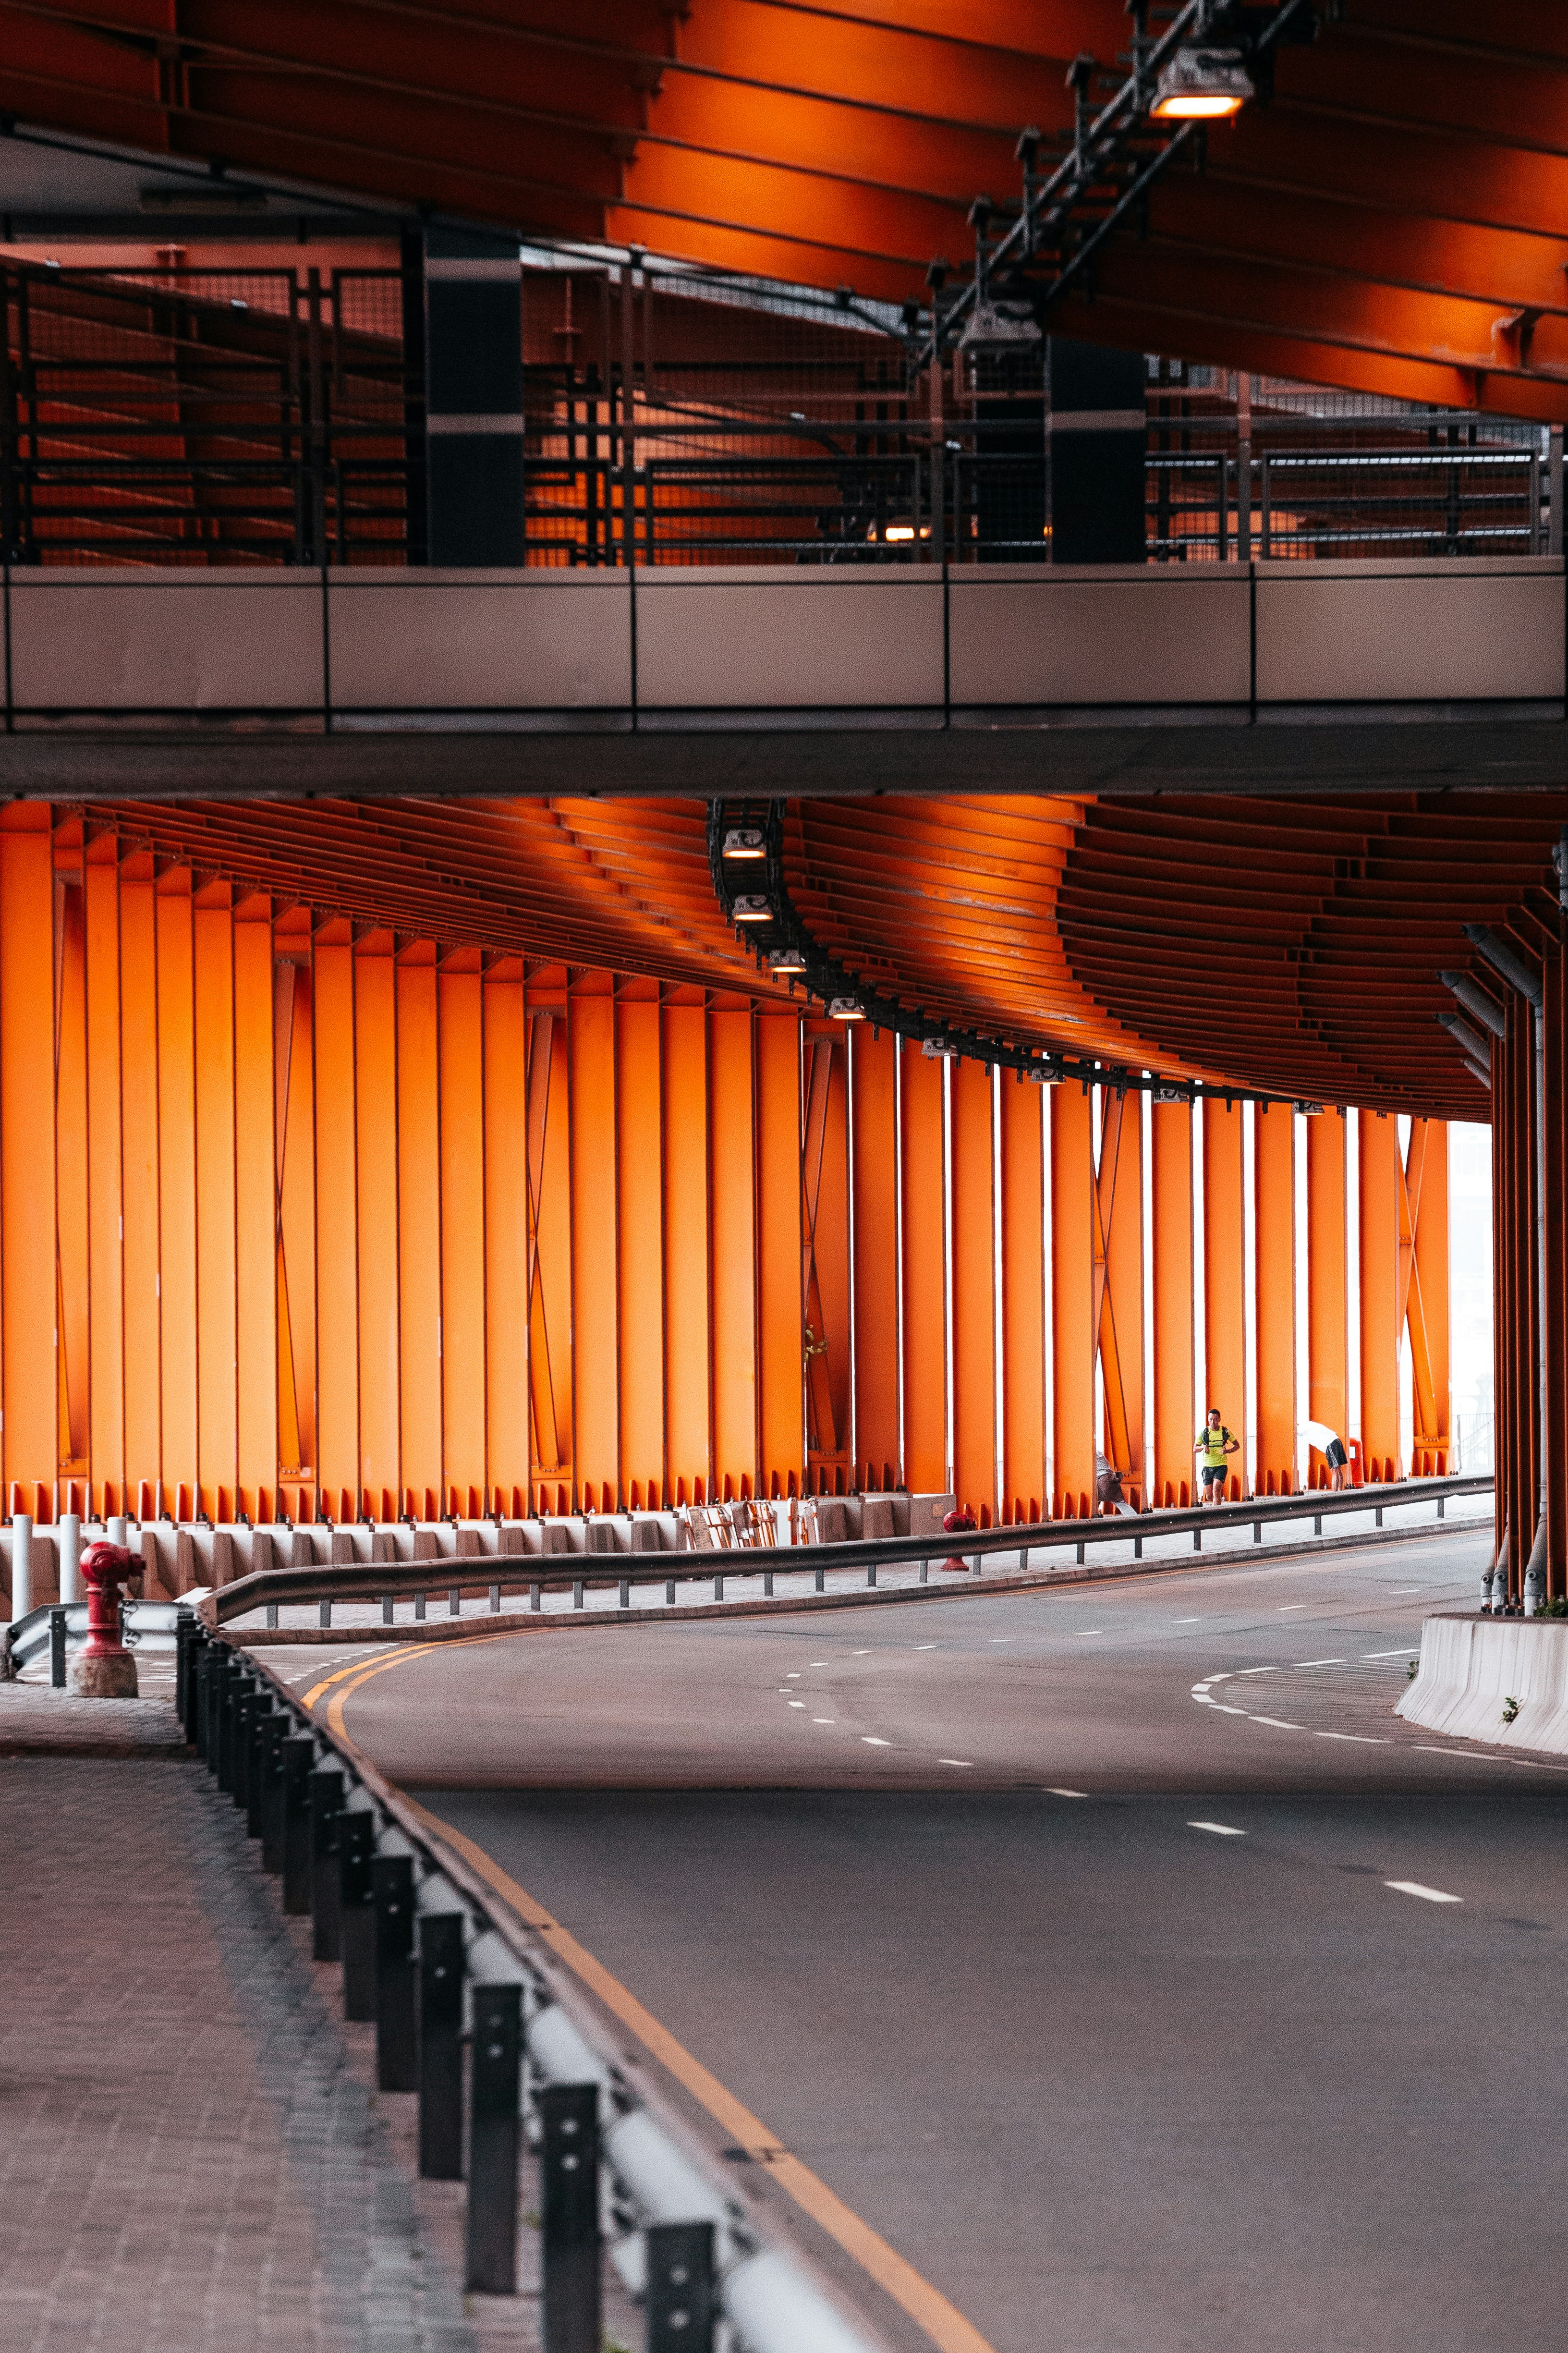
[942, 2322]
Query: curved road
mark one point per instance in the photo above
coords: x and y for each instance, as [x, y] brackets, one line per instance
[1089, 1943]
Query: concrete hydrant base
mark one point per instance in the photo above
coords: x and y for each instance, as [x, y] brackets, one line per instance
[104, 1678]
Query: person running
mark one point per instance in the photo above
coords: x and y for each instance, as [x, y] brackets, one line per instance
[1213, 1443]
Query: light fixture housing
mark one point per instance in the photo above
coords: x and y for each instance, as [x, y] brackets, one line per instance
[786, 963]
[752, 907]
[845, 1008]
[745, 841]
[1201, 85]
[1309, 1110]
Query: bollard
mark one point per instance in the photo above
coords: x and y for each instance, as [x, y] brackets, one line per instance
[69, 1543]
[58, 1647]
[489, 2264]
[278, 1724]
[679, 2298]
[569, 2217]
[299, 1758]
[103, 1668]
[441, 2046]
[392, 1893]
[326, 1794]
[21, 1565]
[356, 1850]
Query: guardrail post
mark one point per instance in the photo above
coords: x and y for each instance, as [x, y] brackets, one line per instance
[356, 1848]
[391, 1890]
[326, 1788]
[441, 1963]
[495, 2130]
[241, 1700]
[227, 1674]
[58, 1647]
[198, 1648]
[182, 1665]
[277, 1726]
[256, 1765]
[569, 2217]
[299, 1759]
[679, 2298]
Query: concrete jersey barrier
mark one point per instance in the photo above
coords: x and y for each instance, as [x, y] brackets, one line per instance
[1472, 1667]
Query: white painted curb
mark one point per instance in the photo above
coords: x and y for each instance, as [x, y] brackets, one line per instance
[1471, 1668]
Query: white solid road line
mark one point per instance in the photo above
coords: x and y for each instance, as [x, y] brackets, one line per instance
[1220, 1830]
[824, 1719]
[1427, 1895]
[1066, 1793]
[966, 1761]
[1407, 1652]
[872, 1741]
[1322, 1662]
[1278, 1723]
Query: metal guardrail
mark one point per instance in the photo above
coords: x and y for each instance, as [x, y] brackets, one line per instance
[60, 1627]
[386, 1580]
[478, 2019]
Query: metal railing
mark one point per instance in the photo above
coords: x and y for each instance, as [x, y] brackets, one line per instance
[536, 1572]
[502, 2049]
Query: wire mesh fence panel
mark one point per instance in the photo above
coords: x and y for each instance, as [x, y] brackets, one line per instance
[1440, 502]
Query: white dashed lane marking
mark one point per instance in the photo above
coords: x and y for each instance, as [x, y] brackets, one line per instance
[1427, 1895]
[1220, 1830]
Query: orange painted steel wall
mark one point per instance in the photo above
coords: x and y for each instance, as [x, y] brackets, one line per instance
[409, 1230]
[1225, 1275]
[1175, 1407]
[1274, 1297]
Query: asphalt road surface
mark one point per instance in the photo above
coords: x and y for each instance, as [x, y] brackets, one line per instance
[1113, 1952]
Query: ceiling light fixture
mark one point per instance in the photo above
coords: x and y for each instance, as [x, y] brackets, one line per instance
[787, 962]
[1201, 85]
[752, 907]
[745, 841]
[845, 1008]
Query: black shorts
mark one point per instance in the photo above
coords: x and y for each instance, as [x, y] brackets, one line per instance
[1334, 1454]
[1212, 1471]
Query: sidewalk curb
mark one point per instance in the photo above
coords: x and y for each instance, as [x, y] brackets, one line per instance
[478, 1629]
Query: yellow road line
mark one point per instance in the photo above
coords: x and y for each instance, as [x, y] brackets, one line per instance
[942, 2322]
[314, 1693]
[335, 1705]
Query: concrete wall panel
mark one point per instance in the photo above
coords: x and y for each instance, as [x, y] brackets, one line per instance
[169, 641]
[1412, 632]
[1133, 634]
[775, 639]
[437, 641]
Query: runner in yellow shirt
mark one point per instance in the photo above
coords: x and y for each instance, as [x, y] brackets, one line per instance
[1213, 1443]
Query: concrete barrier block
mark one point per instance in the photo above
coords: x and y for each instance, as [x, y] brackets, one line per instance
[1472, 1667]
[555, 1537]
[876, 1516]
[645, 1537]
[427, 1546]
[189, 1565]
[832, 1521]
[343, 1546]
[927, 1514]
[383, 1545]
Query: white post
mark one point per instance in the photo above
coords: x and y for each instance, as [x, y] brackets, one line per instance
[70, 1555]
[21, 1565]
[116, 1532]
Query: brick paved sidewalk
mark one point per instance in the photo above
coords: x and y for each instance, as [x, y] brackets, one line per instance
[194, 2156]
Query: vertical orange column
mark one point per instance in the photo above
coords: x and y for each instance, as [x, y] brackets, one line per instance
[106, 1199]
[217, 1335]
[1328, 1359]
[177, 1185]
[1118, 1192]
[256, 1240]
[874, 1198]
[71, 1212]
[27, 1145]
[640, 1244]
[375, 1149]
[1427, 1301]
[1274, 1298]
[925, 1276]
[1023, 1494]
[550, 1336]
[1225, 1276]
[824, 1239]
[294, 1096]
[734, 1266]
[337, 1216]
[506, 1231]
[1177, 1413]
[781, 1397]
[974, 1293]
[1380, 1321]
[140, 1126]
[688, 1315]
[1072, 1292]
[591, 1030]
[419, 1368]
[460, 1035]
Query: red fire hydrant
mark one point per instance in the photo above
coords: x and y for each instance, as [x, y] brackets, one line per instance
[957, 1522]
[105, 1669]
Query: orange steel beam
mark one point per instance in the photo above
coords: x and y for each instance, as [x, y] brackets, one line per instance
[379, 1465]
[733, 1251]
[177, 1187]
[925, 1283]
[1379, 1317]
[464, 1229]
[1074, 1328]
[256, 1456]
[1328, 1354]
[686, 1281]
[973, 1250]
[71, 1211]
[780, 1320]
[294, 1160]
[549, 1335]
[639, 1251]
[1119, 1282]
[1224, 1279]
[508, 1237]
[106, 1196]
[335, 1072]
[595, 1324]
[874, 1209]
[825, 1233]
[1025, 1495]
[1274, 1296]
[1176, 1408]
[142, 1127]
[217, 1338]
[28, 1396]
[1554, 967]
[416, 1095]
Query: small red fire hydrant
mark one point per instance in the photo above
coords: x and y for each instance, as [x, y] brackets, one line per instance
[955, 1524]
[105, 1669]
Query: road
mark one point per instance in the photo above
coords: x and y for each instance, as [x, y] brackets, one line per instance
[1090, 1943]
